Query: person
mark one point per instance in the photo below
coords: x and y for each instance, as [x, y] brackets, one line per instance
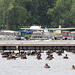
[55, 38]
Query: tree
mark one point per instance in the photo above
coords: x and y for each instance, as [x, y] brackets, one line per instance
[60, 14]
[73, 13]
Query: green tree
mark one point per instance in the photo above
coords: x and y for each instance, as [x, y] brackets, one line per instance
[60, 14]
[73, 13]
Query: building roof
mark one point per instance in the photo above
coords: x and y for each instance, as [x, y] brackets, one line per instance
[8, 31]
[73, 32]
[35, 27]
[65, 31]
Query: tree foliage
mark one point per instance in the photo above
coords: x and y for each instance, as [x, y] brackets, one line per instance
[49, 13]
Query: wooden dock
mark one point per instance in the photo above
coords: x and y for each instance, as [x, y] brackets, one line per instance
[37, 45]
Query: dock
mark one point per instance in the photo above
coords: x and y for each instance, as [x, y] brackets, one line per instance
[37, 44]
